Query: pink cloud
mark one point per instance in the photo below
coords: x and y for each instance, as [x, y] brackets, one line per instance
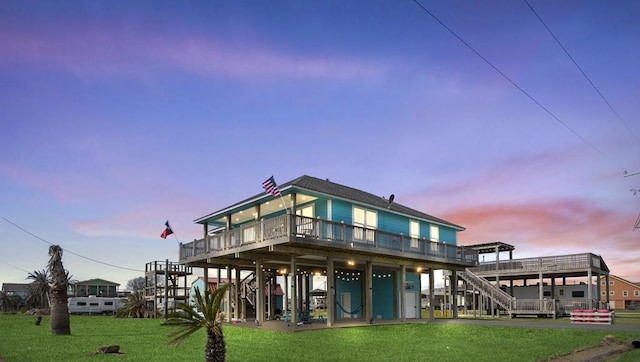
[106, 52]
[554, 227]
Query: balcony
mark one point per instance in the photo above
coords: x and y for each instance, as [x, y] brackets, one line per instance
[318, 234]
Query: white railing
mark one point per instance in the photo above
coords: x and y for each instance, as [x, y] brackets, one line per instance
[533, 265]
[338, 234]
[485, 287]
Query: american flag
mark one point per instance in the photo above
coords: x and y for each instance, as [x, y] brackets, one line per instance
[271, 187]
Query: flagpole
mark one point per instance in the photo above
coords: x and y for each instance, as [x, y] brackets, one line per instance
[173, 232]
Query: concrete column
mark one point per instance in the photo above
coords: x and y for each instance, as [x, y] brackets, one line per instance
[403, 281]
[331, 292]
[368, 286]
[431, 300]
[294, 297]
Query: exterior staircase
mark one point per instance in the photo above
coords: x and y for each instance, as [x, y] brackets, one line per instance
[500, 297]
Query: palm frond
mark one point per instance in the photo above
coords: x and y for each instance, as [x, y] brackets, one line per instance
[203, 313]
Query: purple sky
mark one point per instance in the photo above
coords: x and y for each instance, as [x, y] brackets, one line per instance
[116, 116]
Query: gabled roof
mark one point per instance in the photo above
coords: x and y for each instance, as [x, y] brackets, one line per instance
[96, 282]
[15, 287]
[635, 285]
[333, 190]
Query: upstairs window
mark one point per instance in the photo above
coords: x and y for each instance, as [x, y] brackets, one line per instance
[365, 222]
[414, 233]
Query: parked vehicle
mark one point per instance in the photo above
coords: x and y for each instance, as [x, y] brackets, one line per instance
[94, 305]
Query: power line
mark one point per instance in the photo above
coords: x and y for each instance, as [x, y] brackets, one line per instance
[69, 251]
[13, 266]
[583, 72]
[507, 78]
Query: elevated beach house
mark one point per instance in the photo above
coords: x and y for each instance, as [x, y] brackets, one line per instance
[371, 250]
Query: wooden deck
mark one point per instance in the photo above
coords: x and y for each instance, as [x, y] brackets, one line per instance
[281, 236]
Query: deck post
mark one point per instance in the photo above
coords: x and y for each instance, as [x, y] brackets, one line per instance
[236, 302]
[368, 285]
[454, 293]
[294, 297]
[331, 292]
[431, 289]
[260, 284]
[403, 281]
[228, 297]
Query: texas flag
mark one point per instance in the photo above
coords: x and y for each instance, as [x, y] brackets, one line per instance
[167, 231]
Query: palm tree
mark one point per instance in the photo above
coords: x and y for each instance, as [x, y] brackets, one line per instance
[135, 307]
[38, 292]
[59, 319]
[204, 313]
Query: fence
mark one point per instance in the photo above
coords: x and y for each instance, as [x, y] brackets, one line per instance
[590, 316]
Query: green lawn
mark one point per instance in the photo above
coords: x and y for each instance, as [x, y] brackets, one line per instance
[145, 339]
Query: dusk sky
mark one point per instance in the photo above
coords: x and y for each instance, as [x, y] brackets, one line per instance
[118, 116]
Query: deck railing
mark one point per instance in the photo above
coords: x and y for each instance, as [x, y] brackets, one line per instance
[533, 265]
[336, 234]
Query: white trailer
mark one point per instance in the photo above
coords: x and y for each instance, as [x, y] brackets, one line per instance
[94, 305]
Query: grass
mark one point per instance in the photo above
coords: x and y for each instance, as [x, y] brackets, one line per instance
[145, 339]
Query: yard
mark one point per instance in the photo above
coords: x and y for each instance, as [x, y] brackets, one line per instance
[145, 339]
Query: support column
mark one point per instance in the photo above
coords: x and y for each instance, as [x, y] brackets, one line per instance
[454, 293]
[259, 292]
[331, 292]
[403, 281]
[368, 286]
[431, 301]
[294, 297]
[228, 297]
[590, 288]
[236, 299]
[205, 276]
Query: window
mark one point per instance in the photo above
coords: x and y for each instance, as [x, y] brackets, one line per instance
[305, 223]
[108, 303]
[561, 292]
[603, 293]
[82, 303]
[577, 294]
[636, 293]
[603, 283]
[434, 236]
[546, 293]
[611, 293]
[625, 293]
[365, 222]
[611, 282]
[414, 233]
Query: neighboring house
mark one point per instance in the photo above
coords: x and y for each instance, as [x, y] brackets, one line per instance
[623, 294]
[371, 249]
[97, 287]
[19, 289]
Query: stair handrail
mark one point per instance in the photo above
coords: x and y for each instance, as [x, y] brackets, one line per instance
[501, 297]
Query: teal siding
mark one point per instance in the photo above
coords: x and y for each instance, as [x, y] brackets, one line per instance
[320, 206]
[342, 211]
[393, 223]
[448, 235]
[353, 286]
[382, 284]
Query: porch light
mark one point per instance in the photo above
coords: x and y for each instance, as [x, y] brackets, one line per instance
[419, 269]
[351, 262]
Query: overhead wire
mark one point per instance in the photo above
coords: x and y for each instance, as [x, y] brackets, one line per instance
[69, 251]
[506, 77]
[584, 74]
[16, 267]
